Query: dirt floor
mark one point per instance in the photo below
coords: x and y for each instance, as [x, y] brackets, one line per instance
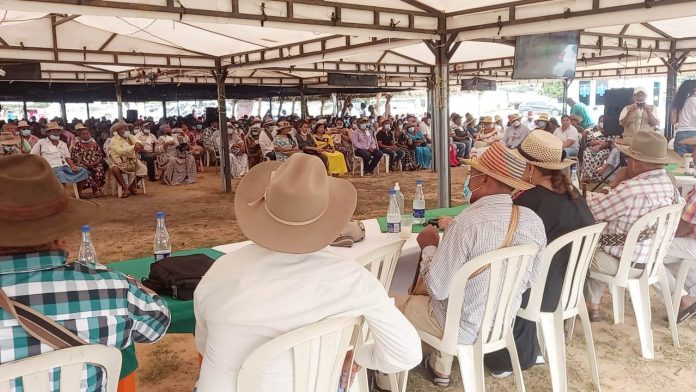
[200, 215]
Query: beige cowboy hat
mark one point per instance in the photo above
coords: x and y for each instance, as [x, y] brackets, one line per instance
[117, 126]
[649, 147]
[53, 126]
[514, 117]
[34, 208]
[293, 207]
[9, 139]
[502, 164]
[543, 117]
[23, 124]
[542, 149]
[487, 120]
[79, 126]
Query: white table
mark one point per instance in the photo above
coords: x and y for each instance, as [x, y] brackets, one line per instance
[374, 238]
[685, 184]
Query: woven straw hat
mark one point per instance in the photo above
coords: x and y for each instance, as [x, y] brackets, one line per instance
[502, 164]
[650, 147]
[543, 149]
[53, 126]
[487, 120]
[79, 126]
[543, 117]
[23, 124]
[8, 139]
[515, 117]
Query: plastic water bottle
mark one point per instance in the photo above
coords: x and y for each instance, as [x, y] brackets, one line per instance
[574, 177]
[399, 198]
[162, 245]
[393, 214]
[419, 204]
[87, 255]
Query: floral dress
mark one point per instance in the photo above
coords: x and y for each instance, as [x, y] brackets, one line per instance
[344, 145]
[591, 160]
[284, 141]
[90, 156]
[409, 159]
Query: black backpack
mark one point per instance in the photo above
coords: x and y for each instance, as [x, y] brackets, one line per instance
[178, 276]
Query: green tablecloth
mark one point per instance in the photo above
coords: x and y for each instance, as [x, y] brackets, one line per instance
[675, 169]
[429, 214]
[183, 319]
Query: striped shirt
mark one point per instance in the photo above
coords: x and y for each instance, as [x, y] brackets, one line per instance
[101, 306]
[480, 229]
[628, 202]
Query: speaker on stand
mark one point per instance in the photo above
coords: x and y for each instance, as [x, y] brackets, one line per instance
[131, 115]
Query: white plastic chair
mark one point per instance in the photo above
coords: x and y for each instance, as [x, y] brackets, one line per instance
[34, 371]
[382, 263]
[665, 221]
[116, 188]
[508, 267]
[684, 266]
[583, 243]
[318, 352]
[357, 161]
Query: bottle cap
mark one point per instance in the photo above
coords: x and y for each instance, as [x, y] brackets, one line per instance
[86, 228]
[392, 192]
[419, 182]
[160, 214]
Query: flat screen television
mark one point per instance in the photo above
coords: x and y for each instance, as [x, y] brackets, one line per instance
[546, 56]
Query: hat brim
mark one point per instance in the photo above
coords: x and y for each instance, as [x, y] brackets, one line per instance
[545, 165]
[259, 227]
[509, 181]
[45, 230]
[670, 157]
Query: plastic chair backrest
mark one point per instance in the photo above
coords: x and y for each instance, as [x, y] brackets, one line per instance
[318, 352]
[583, 244]
[665, 221]
[382, 262]
[34, 371]
[507, 268]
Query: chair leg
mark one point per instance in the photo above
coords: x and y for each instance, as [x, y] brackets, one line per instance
[552, 325]
[589, 341]
[618, 294]
[142, 181]
[471, 367]
[570, 327]
[684, 268]
[514, 358]
[386, 163]
[77, 192]
[398, 381]
[640, 298]
[671, 315]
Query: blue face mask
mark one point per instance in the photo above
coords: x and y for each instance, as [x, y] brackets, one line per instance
[468, 193]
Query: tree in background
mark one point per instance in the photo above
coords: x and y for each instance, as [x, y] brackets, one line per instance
[553, 90]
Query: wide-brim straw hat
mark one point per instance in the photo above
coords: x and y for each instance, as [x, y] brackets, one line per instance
[53, 126]
[500, 163]
[649, 147]
[79, 126]
[293, 207]
[515, 117]
[23, 124]
[9, 139]
[542, 149]
[487, 120]
[117, 126]
[543, 117]
[283, 125]
[34, 208]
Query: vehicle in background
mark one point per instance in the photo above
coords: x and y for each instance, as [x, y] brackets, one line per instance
[541, 106]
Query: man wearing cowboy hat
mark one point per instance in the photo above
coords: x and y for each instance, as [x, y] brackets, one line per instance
[365, 146]
[516, 132]
[99, 305]
[27, 139]
[122, 150]
[542, 122]
[460, 136]
[148, 141]
[56, 153]
[480, 229]
[286, 279]
[266, 140]
[641, 187]
[387, 143]
[638, 116]
[529, 121]
[9, 143]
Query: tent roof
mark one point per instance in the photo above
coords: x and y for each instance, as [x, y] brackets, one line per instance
[297, 42]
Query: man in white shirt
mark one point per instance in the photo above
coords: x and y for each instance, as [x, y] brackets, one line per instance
[569, 136]
[287, 279]
[147, 154]
[529, 122]
[56, 153]
[638, 116]
[266, 141]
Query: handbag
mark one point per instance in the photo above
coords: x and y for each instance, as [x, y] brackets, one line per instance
[418, 285]
[178, 276]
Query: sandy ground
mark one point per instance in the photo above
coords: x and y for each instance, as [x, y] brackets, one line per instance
[200, 215]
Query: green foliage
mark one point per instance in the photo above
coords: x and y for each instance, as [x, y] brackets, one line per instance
[553, 90]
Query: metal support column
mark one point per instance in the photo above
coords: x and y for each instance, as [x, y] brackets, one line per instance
[63, 112]
[566, 83]
[164, 108]
[220, 77]
[673, 65]
[119, 101]
[440, 114]
[292, 109]
[24, 107]
[334, 100]
[88, 114]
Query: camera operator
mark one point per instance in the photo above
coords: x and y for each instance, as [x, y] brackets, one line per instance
[638, 116]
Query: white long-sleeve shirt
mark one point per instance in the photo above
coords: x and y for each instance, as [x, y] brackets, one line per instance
[253, 295]
[266, 143]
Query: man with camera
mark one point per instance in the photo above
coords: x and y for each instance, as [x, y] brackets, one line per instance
[638, 116]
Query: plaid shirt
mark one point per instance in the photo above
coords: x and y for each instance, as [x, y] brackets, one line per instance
[689, 214]
[100, 305]
[628, 202]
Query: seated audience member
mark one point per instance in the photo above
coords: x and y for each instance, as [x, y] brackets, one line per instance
[641, 187]
[291, 212]
[684, 247]
[93, 303]
[419, 144]
[529, 121]
[239, 160]
[166, 146]
[343, 141]
[569, 136]
[403, 143]
[122, 155]
[251, 141]
[575, 121]
[480, 229]
[193, 139]
[325, 142]
[424, 127]
[516, 132]
[284, 143]
[542, 122]
[499, 125]
[27, 139]
[683, 116]
[10, 144]
[387, 143]
[208, 139]
[552, 125]
[56, 152]
[86, 153]
[147, 154]
[307, 144]
[597, 149]
[180, 165]
[365, 146]
[460, 136]
[266, 141]
[487, 136]
[562, 209]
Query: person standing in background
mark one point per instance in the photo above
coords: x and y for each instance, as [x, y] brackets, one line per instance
[683, 116]
[638, 116]
[579, 109]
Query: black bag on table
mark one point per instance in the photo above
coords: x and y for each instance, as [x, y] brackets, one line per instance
[178, 276]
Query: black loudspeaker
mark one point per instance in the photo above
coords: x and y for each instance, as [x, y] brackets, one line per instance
[355, 80]
[24, 71]
[614, 101]
[478, 84]
[131, 115]
[211, 114]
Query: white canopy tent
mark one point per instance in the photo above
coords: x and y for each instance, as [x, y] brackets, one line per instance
[408, 43]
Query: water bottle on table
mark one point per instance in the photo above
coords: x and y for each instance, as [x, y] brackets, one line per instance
[162, 244]
[419, 204]
[87, 255]
[399, 198]
[393, 214]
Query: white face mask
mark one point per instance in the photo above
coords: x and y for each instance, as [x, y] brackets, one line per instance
[54, 137]
[387, 127]
[25, 132]
[126, 134]
[515, 123]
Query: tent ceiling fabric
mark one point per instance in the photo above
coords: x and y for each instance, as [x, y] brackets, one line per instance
[297, 42]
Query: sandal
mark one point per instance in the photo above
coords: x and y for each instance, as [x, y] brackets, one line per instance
[687, 313]
[438, 379]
